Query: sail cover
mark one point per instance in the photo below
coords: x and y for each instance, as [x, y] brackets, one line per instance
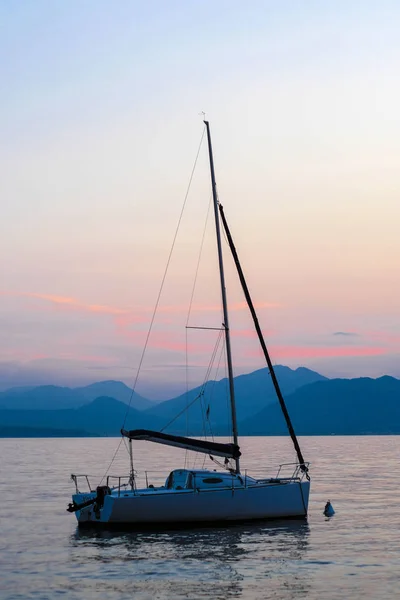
[215, 448]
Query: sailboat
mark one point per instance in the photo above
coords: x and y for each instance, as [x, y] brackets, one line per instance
[191, 496]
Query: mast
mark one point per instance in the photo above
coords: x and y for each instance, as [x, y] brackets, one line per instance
[224, 301]
[250, 304]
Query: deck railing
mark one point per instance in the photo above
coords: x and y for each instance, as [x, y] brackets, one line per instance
[156, 479]
[285, 472]
[114, 482]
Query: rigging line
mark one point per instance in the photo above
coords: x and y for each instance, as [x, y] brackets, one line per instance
[164, 276]
[227, 396]
[204, 461]
[198, 259]
[223, 466]
[212, 359]
[213, 383]
[200, 394]
[112, 460]
[182, 411]
[189, 312]
[213, 386]
[206, 380]
[126, 445]
[203, 418]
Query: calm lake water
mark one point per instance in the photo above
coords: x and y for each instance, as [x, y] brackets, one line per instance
[355, 554]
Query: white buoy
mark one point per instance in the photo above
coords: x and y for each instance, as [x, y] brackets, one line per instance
[328, 510]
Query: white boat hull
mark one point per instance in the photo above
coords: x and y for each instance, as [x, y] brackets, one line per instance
[286, 499]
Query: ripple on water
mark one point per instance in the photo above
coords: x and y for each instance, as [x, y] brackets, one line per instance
[354, 554]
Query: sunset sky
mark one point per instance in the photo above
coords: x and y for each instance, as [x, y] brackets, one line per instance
[100, 124]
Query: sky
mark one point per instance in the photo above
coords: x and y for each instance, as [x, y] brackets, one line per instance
[100, 123]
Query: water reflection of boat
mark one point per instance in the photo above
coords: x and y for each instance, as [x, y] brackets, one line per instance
[232, 561]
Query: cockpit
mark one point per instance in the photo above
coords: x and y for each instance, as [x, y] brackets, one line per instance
[183, 479]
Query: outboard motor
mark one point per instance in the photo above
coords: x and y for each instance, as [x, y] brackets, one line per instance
[101, 491]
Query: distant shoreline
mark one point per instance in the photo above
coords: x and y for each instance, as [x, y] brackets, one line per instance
[40, 434]
[43, 432]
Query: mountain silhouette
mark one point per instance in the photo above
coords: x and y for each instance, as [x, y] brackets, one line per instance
[117, 390]
[103, 416]
[320, 407]
[53, 397]
[335, 406]
[253, 392]
[43, 397]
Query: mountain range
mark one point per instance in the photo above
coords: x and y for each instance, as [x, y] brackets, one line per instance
[102, 416]
[50, 397]
[317, 406]
[252, 392]
[336, 406]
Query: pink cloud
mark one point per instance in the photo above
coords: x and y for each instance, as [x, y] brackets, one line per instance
[125, 320]
[165, 340]
[49, 297]
[258, 305]
[22, 355]
[244, 333]
[71, 304]
[13, 354]
[105, 310]
[250, 333]
[38, 356]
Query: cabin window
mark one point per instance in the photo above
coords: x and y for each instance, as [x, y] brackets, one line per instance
[213, 480]
[179, 480]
